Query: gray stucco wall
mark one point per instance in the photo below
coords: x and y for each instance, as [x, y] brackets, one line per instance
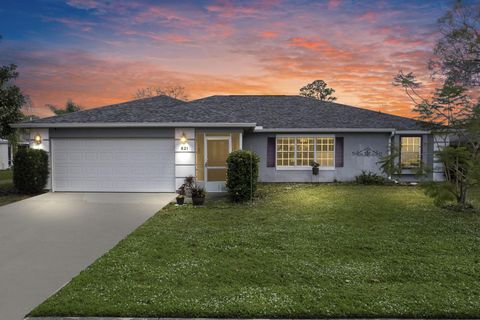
[353, 164]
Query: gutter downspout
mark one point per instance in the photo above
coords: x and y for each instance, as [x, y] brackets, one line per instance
[390, 144]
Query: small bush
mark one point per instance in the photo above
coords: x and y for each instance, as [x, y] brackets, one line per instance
[242, 175]
[368, 177]
[30, 171]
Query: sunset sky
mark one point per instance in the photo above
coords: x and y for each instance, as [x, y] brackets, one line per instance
[100, 52]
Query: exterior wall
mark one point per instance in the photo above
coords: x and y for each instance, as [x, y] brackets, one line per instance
[4, 154]
[184, 155]
[439, 143]
[354, 160]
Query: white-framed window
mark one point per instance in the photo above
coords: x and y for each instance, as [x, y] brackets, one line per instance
[285, 152]
[298, 151]
[325, 152]
[410, 152]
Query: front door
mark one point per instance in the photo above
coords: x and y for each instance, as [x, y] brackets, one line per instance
[216, 154]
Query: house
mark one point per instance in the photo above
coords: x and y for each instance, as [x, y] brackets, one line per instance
[152, 144]
[4, 155]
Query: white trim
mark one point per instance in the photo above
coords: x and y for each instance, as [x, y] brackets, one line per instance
[52, 177]
[326, 130]
[301, 168]
[134, 125]
[411, 132]
[309, 135]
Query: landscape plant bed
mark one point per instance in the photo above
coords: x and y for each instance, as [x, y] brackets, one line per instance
[300, 251]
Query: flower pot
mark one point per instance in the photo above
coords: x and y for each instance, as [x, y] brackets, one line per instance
[315, 171]
[198, 201]
[180, 201]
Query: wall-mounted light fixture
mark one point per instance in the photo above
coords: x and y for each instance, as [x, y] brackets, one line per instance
[183, 138]
[37, 139]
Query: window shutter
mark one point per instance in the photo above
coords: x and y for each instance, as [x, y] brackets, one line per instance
[339, 152]
[271, 150]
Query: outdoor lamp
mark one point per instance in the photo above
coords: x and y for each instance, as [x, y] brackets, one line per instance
[37, 138]
[183, 138]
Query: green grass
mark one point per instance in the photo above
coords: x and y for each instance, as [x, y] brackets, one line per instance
[5, 174]
[301, 251]
[9, 197]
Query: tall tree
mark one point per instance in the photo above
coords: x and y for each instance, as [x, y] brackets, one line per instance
[318, 90]
[457, 52]
[175, 91]
[451, 112]
[11, 101]
[70, 107]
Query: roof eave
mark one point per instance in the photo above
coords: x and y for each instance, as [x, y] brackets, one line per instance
[261, 129]
[134, 125]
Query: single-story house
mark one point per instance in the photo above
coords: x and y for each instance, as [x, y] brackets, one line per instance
[4, 154]
[152, 144]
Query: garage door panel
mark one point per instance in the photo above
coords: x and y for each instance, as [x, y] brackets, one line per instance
[113, 165]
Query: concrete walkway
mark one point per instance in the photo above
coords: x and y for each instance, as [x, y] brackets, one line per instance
[48, 239]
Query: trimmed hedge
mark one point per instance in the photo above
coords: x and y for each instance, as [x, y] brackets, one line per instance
[30, 171]
[242, 175]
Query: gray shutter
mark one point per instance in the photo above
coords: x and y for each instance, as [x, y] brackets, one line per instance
[271, 152]
[339, 152]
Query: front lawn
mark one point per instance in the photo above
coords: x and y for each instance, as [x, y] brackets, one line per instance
[302, 251]
[5, 175]
[7, 193]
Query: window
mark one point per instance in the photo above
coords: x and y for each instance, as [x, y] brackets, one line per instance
[411, 152]
[301, 151]
[285, 151]
[305, 151]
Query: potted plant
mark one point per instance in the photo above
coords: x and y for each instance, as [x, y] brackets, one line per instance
[315, 169]
[188, 184]
[198, 195]
[181, 195]
[180, 199]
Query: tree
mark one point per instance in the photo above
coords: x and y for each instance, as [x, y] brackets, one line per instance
[176, 92]
[11, 101]
[318, 90]
[451, 113]
[458, 50]
[70, 107]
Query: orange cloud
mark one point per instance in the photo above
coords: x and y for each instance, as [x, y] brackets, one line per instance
[269, 34]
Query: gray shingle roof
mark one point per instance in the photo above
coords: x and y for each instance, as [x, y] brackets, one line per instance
[265, 111]
[131, 111]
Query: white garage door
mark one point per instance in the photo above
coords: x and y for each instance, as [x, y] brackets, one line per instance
[113, 165]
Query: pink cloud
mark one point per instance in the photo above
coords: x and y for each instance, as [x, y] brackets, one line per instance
[369, 16]
[319, 45]
[231, 9]
[332, 4]
[177, 17]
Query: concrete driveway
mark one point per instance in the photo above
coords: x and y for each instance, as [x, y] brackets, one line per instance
[48, 239]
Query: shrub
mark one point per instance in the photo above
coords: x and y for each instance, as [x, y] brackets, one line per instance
[30, 171]
[242, 175]
[368, 177]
